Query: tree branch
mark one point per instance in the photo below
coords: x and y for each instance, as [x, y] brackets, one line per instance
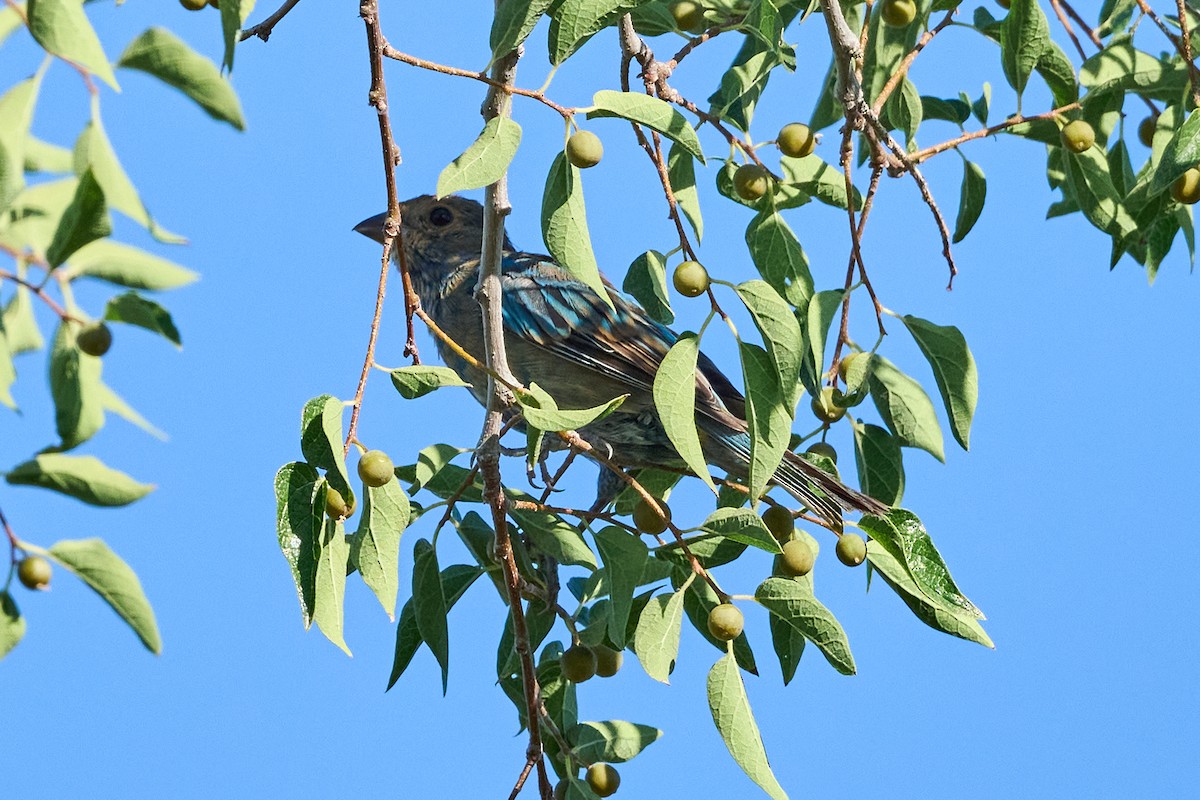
[263, 29]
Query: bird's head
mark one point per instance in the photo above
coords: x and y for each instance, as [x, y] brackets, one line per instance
[439, 235]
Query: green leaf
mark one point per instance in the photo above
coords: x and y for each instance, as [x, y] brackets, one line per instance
[62, 28]
[111, 401]
[329, 596]
[1059, 74]
[375, 547]
[768, 416]
[761, 52]
[8, 374]
[564, 225]
[540, 411]
[681, 171]
[321, 441]
[793, 602]
[1024, 37]
[100, 568]
[85, 220]
[735, 722]
[649, 111]
[75, 387]
[19, 324]
[902, 111]
[298, 523]
[1092, 187]
[970, 201]
[646, 280]
[45, 157]
[429, 605]
[906, 408]
[1181, 153]
[656, 638]
[612, 741]
[957, 111]
[127, 266]
[951, 621]
[513, 22]
[817, 319]
[485, 161]
[431, 461]
[821, 180]
[555, 537]
[233, 16]
[456, 579]
[624, 556]
[16, 115]
[417, 381]
[164, 55]
[906, 539]
[779, 257]
[698, 601]
[133, 309]
[93, 151]
[741, 525]
[573, 22]
[1121, 67]
[880, 464]
[675, 399]
[12, 624]
[779, 328]
[11, 19]
[953, 369]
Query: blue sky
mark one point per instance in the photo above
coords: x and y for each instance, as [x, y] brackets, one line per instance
[1069, 522]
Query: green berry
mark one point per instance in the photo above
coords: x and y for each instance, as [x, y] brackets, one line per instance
[584, 149]
[561, 789]
[1005, 4]
[751, 181]
[797, 558]
[94, 339]
[851, 549]
[822, 449]
[608, 661]
[725, 622]
[1146, 130]
[899, 13]
[34, 572]
[336, 506]
[603, 779]
[1186, 188]
[1078, 136]
[844, 364]
[375, 468]
[690, 279]
[688, 16]
[825, 409]
[647, 520]
[796, 140]
[578, 663]
[779, 522]
[193, 5]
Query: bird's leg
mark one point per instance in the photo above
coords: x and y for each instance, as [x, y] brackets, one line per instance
[609, 484]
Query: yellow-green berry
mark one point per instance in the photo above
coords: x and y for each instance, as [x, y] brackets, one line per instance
[690, 279]
[584, 149]
[34, 572]
[796, 140]
[851, 549]
[725, 621]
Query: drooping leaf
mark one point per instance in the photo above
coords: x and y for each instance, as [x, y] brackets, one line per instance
[429, 605]
[321, 441]
[421, 379]
[971, 199]
[646, 280]
[12, 624]
[329, 595]
[564, 225]
[126, 266]
[133, 309]
[299, 520]
[1024, 37]
[375, 547]
[779, 258]
[735, 722]
[234, 14]
[649, 111]
[682, 173]
[555, 537]
[573, 22]
[741, 525]
[624, 557]
[953, 369]
[164, 55]
[111, 401]
[906, 408]
[768, 415]
[93, 562]
[16, 115]
[456, 579]
[656, 638]
[513, 22]
[675, 399]
[540, 411]
[817, 319]
[85, 220]
[485, 161]
[880, 464]
[75, 388]
[62, 28]
[779, 328]
[794, 603]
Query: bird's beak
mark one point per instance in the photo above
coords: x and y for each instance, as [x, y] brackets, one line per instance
[372, 227]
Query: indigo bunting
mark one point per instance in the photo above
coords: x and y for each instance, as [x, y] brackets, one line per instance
[562, 335]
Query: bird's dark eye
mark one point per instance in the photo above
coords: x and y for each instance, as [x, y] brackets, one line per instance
[441, 216]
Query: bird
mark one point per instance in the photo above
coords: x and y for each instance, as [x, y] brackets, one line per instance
[584, 351]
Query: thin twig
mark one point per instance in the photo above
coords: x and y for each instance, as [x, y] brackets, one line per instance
[482, 77]
[906, 62]
[263, 29]
[1066, 23]
[62, 313]
[1181, 44]
[928, 152]
[1185, 39]
[1088, 29]
[83, 71]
